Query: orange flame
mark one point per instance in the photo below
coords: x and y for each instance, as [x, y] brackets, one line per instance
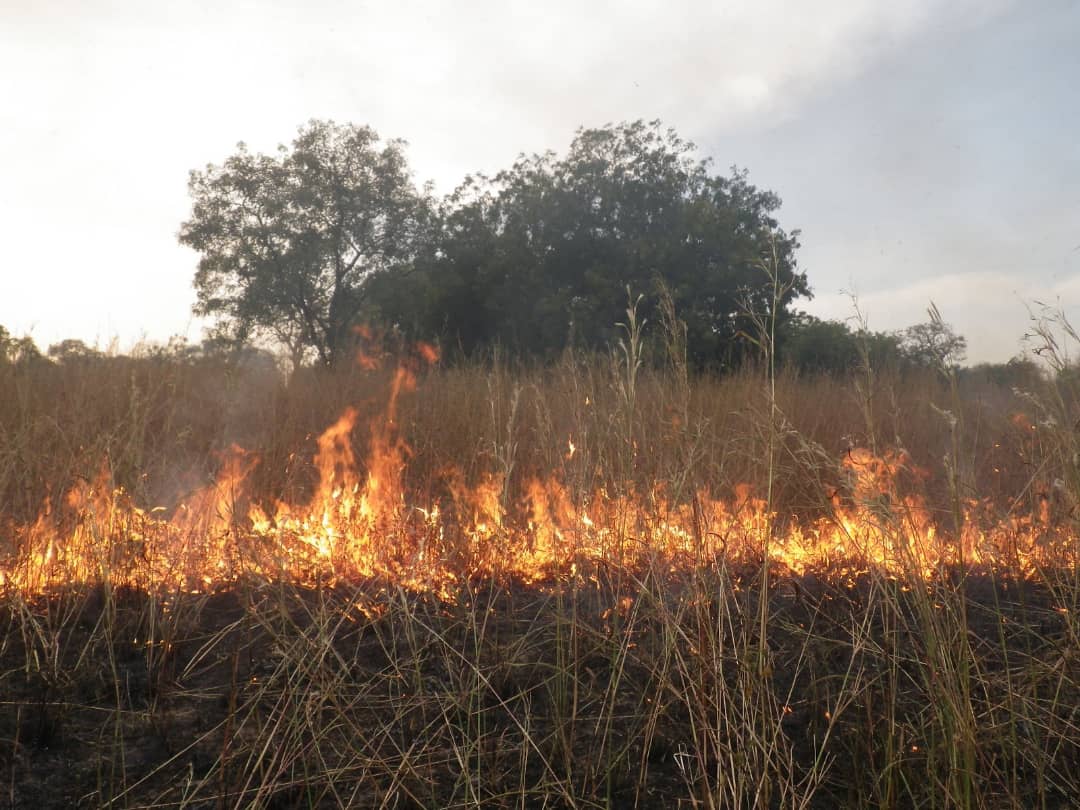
[361, 521]
[428, 353]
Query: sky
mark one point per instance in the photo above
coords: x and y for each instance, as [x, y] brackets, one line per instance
[929, 151]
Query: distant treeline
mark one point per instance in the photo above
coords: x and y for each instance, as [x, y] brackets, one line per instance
[806, 345]
[626, 237]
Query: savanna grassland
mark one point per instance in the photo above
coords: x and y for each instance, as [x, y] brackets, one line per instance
[590, 583]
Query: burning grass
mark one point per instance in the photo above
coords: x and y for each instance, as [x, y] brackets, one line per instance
[562, 586]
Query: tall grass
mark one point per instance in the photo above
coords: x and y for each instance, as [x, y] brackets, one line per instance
[727, 683]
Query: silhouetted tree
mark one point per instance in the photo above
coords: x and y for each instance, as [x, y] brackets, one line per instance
[17, 350]
[540, 256]
[72, 350]
[933, 344]
[289, 241]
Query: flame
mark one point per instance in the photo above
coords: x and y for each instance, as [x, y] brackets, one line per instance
[362, 520]
[428, 353]
[366, 361]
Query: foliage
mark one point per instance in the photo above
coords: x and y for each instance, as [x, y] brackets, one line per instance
[1021, 373]
[17, 350]
[72, 350]
[811, 344]
[288, 241]
[538, 258]
[933, 344]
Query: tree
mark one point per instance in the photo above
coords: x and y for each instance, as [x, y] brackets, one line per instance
[933, 344]
[811, 344]
[290, 241]
[540, 256]
[72, 350]
[814, 345]
[17, 350]
[1020, 372]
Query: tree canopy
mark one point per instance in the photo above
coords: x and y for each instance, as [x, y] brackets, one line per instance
[933, 344]
[812, 344]
[17, 350]
[289, 241]
[303, 245]
[539, 256]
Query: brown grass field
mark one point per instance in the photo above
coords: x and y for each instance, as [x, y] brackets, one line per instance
[576, 585]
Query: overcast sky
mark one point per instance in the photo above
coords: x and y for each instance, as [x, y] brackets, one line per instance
[928, 150]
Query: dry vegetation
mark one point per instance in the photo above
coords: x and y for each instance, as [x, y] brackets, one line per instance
[725, 681]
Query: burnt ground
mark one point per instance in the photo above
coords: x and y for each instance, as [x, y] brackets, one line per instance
[623, 689]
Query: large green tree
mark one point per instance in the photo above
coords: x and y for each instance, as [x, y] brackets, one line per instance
[289, 241]
[542, 253]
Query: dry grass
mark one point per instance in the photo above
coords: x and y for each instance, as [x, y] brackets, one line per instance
[725, 684]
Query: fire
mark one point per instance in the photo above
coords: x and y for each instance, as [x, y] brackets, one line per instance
[361, 520]
[428, 353]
